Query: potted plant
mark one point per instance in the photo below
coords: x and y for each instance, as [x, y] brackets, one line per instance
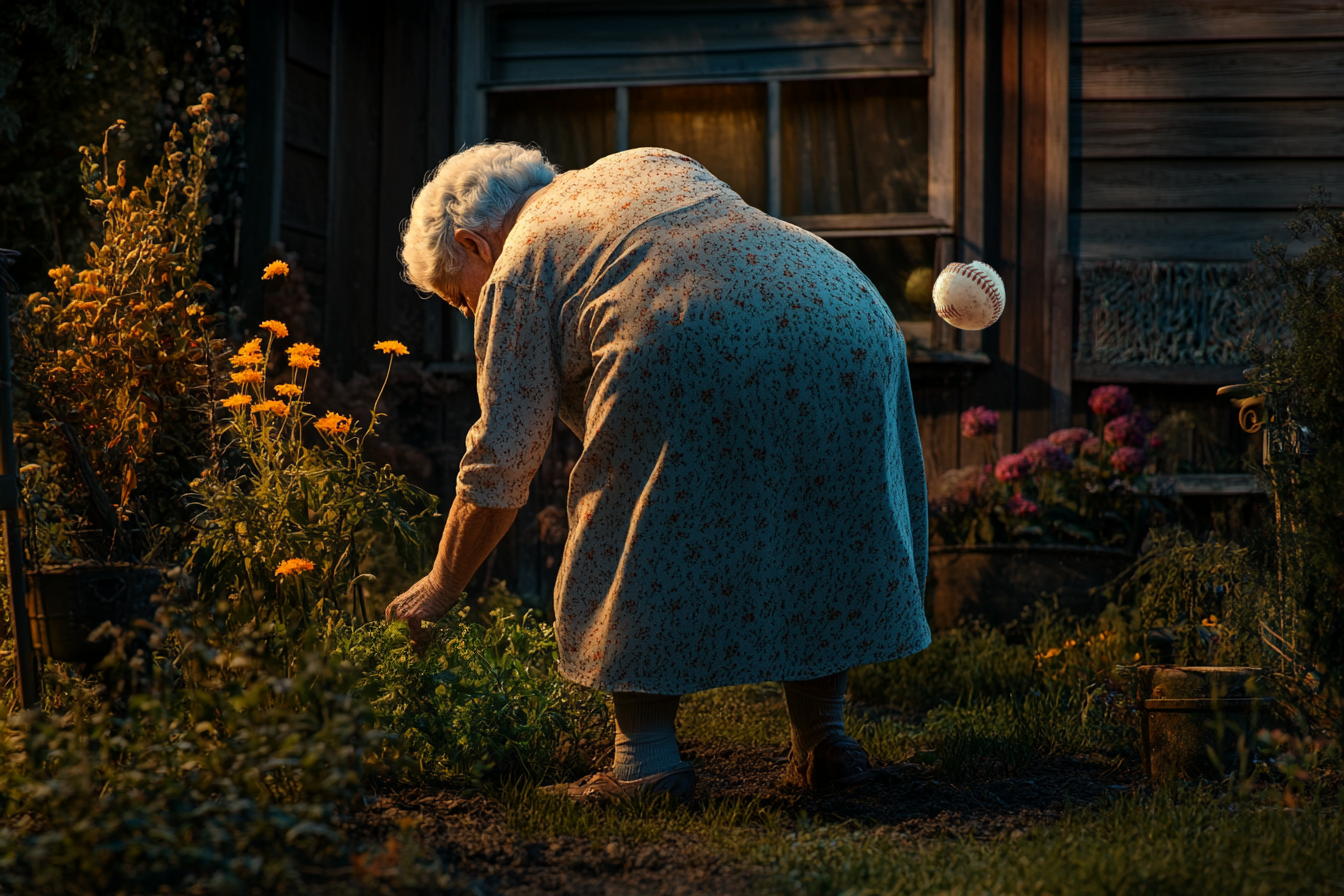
[115, 367]
[1062, 516]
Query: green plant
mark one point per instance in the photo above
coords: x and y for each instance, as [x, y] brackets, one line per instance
[115, 368]
[1302, 386]
[289, 500]
[1074, 487]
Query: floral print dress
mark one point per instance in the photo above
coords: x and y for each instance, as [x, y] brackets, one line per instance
[750, 502]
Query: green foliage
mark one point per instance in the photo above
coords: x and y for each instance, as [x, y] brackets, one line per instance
[482, 701]
[115, 367]
[1303, 385]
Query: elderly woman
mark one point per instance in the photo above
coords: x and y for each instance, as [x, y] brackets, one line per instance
[750, 502]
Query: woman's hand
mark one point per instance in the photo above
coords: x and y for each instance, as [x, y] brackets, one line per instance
[469, 535]
[420, 606]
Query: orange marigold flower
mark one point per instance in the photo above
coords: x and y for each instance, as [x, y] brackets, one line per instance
[246, 377]
[303, 348]
[289, 390]
[276, 327]
[303, 362]
[275, 269]
[249, 355]
[391, 347]
[303, 356]
[333, 424]
[293, 566]
[278, 408]
[237, 401]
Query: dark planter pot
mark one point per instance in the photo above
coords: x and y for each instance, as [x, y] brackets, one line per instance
[67, 603]
[997, 582]
[1200, 721]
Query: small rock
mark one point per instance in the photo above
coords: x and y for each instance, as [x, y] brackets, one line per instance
[615, 853]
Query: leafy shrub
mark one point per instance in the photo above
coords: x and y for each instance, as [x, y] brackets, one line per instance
[116, 367]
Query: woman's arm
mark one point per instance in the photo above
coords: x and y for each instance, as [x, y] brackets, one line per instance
[469, 536]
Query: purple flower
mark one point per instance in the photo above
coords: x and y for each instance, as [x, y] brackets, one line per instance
[1023, 507]
[1046, 455]
[979, 421]
[1124, 431]
[1110, 401]
[1129, 460]
[1070, 439]
[1012, 467]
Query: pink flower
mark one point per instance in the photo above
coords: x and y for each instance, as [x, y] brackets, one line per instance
[979, 421]
[1156, 444]
[1012, 467]
[1046, 455]
[1092, 445]
[1023, 507]
[1123, 431]
[1070, 439]
[1110, 401]
[1128, 459]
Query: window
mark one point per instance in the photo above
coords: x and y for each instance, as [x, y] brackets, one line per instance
[835, 116]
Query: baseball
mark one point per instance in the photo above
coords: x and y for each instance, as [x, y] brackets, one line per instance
[968, 296]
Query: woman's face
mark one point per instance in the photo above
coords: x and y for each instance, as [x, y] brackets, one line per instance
[464, 291]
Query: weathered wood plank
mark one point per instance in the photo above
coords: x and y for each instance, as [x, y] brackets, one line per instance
[1268, 128]
[303, 199]
[1161, 374]
[839, 223]
[1192, 20]
[307, 109]
[1227, 70]
[1132, 184]
[355, 160]
[1175, 236]
[309, 33]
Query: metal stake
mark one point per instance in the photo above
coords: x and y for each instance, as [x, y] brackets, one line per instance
[25, 666]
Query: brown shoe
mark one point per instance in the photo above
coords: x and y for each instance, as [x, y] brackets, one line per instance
[838, 761]
[677, 784]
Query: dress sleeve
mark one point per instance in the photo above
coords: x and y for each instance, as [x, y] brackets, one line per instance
[518, 384]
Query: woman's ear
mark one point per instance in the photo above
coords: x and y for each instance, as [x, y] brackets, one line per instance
[475, 244]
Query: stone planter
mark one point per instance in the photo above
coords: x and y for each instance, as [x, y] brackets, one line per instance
[1199, 721]
[67, 603]
[997, 582]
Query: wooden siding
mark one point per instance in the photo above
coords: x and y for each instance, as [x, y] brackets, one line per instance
[1197, 125]
[711, 41]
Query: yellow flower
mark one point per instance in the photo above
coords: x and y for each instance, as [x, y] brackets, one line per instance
[276, 327]
[333, 424]
[237, 401]
[249, 355]
[391, 347]
[1211, 622]
[275, 269]
[278, 408]
[303, 356]
[193, 309]
[294, 566]
[246, 377]
[1049, 654]
[289, 390]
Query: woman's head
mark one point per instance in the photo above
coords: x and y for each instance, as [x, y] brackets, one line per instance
[472, 192]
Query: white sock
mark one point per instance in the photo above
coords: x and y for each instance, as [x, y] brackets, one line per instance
[646, 734]
[816, 710]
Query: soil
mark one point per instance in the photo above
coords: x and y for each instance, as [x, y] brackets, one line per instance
[904, 801]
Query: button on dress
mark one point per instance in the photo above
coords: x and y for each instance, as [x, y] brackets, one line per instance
[750, 501]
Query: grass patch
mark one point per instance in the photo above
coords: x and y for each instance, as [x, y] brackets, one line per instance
[535, 814]
[1170, 843]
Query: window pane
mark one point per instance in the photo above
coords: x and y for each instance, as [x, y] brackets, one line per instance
[721, 126]
[855, 147]
[574, 128]
[901, 267]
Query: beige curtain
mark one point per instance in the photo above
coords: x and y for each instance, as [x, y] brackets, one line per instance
[574, 128]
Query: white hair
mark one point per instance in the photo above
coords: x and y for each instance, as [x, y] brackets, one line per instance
[474, 190]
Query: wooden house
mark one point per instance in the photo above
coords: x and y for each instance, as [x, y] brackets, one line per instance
[1115, 160]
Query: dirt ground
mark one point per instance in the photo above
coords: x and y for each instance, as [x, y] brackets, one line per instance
[903, 801]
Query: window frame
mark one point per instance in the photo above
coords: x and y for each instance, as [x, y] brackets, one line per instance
[940, 70]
